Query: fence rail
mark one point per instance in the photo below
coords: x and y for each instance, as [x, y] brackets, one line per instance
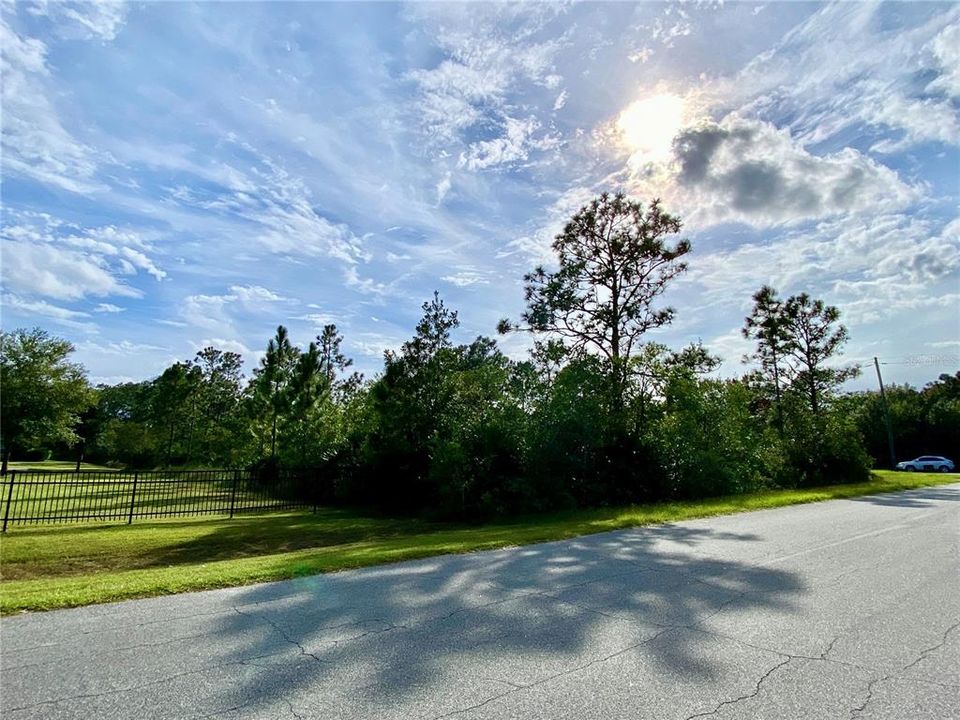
[37, 496]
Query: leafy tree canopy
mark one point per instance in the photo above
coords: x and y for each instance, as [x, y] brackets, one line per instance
[44, 393]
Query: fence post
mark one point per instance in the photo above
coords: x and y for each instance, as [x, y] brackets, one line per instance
[233, 493]
[6, 513]
[133, 496]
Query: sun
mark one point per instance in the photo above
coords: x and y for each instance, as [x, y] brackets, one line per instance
[648, 126]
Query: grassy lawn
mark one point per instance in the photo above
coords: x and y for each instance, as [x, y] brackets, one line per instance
[46, 567]
[111, 495]
[60, 465]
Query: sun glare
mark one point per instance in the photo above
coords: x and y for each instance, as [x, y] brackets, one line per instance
[648, 126]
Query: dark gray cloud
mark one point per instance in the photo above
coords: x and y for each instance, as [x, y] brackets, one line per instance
[751, 171]
[695, 147]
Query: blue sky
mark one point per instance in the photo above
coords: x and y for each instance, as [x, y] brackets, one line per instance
[178, 175]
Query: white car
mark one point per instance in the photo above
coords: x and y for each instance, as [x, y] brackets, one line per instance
[927, 463]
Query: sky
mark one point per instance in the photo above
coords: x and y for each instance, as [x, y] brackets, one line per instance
[178, 175]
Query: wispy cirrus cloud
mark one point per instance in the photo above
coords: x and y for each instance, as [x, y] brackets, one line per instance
[36, 144]
[218, 312]
[340, 166]
[48, 311]
[101, 20]
[490, 54]
[858, 66]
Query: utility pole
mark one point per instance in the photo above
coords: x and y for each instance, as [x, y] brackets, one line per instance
[886, 415]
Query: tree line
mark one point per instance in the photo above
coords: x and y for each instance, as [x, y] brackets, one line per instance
[596, 414]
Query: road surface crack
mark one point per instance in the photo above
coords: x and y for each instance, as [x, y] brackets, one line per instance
[925, 653]
[781, 653]
[823, 655]
[866, 701]
[562, 673]
[756, 691]
[282, 633]
[152, 683]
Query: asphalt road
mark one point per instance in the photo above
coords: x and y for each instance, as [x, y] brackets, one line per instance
[846, 609]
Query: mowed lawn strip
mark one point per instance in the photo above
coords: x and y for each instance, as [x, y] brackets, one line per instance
[46, 567]
[56, 465]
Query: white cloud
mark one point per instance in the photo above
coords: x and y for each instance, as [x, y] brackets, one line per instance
[218, 312]
[466, 278]
[112, 379]
[561, 100]
[35, 142]
[317, 320]
[228, 345]
[121, 348]
[489, 54]
[535, 246]
[373, 345]
[443, 187]
[511, 147]
[731, 346]
[206, 311]
[44, 256]
[945, 344]
[843, 69]
[101, 20]
[667, 31]
[126, 247]
[640, 56]
[873, 267]
[945, 47]
[253, 294]
[51, 271]
[43, 309]
[279, 209]
[108, 308]
[366, 286]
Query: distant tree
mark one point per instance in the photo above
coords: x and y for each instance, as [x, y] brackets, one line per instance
[332, 359]
[125, 432]
[432, 332]
[175, 408]
[271, 380]
[656, 365]
[767, 325]
[815, 338]
[221, 373]
[308, 388]
[219, 424]
[614, 262]
[924, 422]
[44, 394]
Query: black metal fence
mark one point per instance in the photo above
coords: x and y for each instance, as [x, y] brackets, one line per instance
[36, 496]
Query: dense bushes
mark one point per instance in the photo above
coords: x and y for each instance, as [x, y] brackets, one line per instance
[922, 422]
[461, 430]
[596, 415]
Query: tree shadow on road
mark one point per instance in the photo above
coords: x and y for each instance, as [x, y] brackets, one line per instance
[485, 622]
[919, 498]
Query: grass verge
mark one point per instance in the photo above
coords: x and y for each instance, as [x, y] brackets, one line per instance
[58, 465]
[55, 567]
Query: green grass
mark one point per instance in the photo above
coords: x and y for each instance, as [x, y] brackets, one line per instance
[65, 566]
[107, 495]
[61, 465]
